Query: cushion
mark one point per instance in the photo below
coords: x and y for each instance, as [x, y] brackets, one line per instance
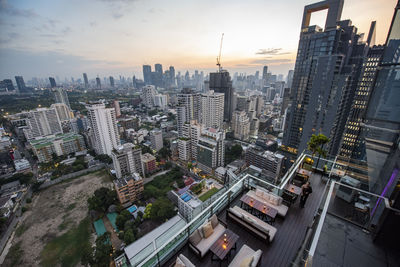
[259, 193]
[280, 199]
[205, 244]
[246, 262]
[207, 230]
[195, 238]
[186, 261]
[256, 258]
[214, 221]
[237, 213]
[179, 263]
[244, 252]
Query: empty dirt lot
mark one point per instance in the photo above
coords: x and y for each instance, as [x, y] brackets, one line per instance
[53, 212]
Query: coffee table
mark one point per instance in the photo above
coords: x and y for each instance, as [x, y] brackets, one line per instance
[221, 249]
[294, 189]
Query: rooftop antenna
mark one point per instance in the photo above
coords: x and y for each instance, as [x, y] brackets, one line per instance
[219, 55]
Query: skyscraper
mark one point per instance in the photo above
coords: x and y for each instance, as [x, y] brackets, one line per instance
[64, 113]
[265, 76]
[290, 78]
[7, 85]
[98, 83]
[52, 82]
[61, 96]
[327, 69]
[221, 82]
[188, 108]
[104, 130]
[147, 74]
[158, 68]
[212, 109]
[172, 76]
[20, 84]
[112, 81]
[42, 122]
[85, 79]
[351, 143]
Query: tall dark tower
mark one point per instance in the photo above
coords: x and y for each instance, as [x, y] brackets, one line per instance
[98, 83]
[20, 84]
[85, 79]
[112, 81]
[147, 74]
[221, 82]
[328, 67]
[265, 75]
[52, 82]
[172, 75]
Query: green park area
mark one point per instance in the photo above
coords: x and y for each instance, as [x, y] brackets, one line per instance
[208, 194]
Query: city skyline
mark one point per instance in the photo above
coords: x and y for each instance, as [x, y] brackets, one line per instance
[118, 37]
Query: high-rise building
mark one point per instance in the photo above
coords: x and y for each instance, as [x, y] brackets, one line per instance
[64, 113]
[211, 150]
[221, 82]
[61, 96]
[103, 127]
[160, 101]
[187, 145]
[127, 160]
[7, 85]
[240, 125]
[158, 68]
[351, 144]
[172, 76]
[381, 127]
[156, 139]
[98, 83]
[42, 122]
[86, 81]
[52, 82]
[20, 84]
[147, 74]
[212, 109]
[265, 76]
[112, 84]
[327, 69]
[289, 79]
[148, 93]
[188, 108]
[117, 108]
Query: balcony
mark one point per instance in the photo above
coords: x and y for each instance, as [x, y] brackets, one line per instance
[303, 236]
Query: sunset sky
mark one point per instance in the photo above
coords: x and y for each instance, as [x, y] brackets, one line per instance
[111, 37]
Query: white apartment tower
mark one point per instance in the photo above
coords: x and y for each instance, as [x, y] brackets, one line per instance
[103, 124]
[127, 160]
[241, 125]
[156, 139]
[42, 122]
[212, 109]
[188, 108]
[148, 93]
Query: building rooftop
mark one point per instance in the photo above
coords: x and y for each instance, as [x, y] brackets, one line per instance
[148, 157]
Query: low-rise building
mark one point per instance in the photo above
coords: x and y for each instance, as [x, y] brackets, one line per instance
[129, 188]
[22, 165]
[267, 160]
[187, 203]
[61, 144]
[149, 163]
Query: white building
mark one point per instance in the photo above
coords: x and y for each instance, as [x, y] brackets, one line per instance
[103, 124]
[148, 93]
[184, 148]
[187, 203]
[42, 122]
[192, 131]
[241, 125]
[61, 96]
[156, 139]
[127, 160]
[188, 108]
[63, 111]
[212, 109]
[211, 149]
[160, 101]
[22, 165]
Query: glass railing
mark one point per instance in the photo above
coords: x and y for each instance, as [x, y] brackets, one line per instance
[349, 204]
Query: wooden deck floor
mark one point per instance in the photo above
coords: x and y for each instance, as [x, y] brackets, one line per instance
[290, 235]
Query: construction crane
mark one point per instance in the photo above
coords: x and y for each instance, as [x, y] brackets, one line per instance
[219, 55]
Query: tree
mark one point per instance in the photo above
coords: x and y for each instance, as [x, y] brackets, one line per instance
[87, 255]
[316, 146]
[168, 165]
[164, 152]
[104, 158]
[152, 112]
[146, 149]
[161, 210]
[122, 218]
[102, 255]
[233, 153]
[129, 237]
[102, 199]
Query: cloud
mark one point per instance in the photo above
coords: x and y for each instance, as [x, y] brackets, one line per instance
[271, 51]
[7, 9]
[117, 15]
[271, 61]
[93, 23]
[66, 30]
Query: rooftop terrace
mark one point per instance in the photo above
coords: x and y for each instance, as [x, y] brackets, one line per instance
[336, 227]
